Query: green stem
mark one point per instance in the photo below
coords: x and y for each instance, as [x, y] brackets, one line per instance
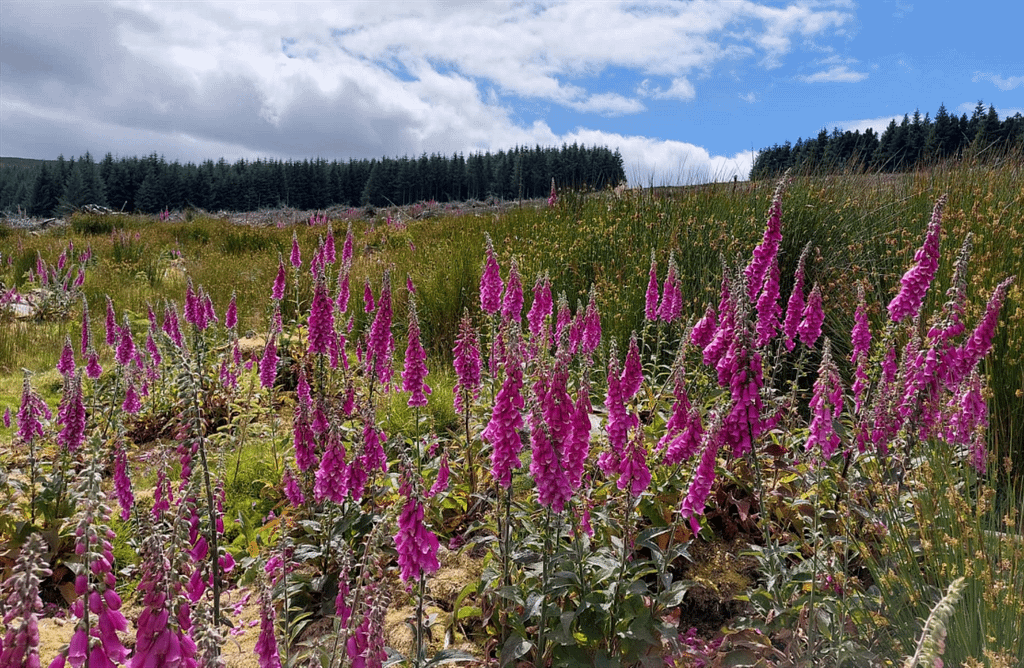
[546, 566]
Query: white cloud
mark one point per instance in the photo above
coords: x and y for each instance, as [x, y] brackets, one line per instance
[876, 124]
[749, 97]
[1002, 83]
[837, 74]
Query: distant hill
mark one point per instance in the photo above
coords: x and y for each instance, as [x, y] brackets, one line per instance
[31, 163]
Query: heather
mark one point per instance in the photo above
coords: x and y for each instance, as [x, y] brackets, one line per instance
[739, 424]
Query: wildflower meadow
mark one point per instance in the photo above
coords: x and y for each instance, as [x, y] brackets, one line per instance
[726, 425]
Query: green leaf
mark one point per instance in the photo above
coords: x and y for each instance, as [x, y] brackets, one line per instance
[450, 656]
[514, 648]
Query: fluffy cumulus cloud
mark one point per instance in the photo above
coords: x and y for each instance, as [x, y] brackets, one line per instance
[198, 80]
[1000, 82]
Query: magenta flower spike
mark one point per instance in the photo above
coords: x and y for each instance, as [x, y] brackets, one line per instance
[332, 473]
[795, 307]
[267, 654]
[512, 304]
[490, 281]
[341, 303]
[551, 430]
[766, 252]
[347, 247]
[193, 305]
[66, 363]
[31, 414]
[415, 371]
[825, 405]
[619, 421]
[321, 320]
[768, 309]
[170, 326]
[86, 331]
[231, 315]
[563, 318]
[979, 343]
[92, 366]
[277, 292]
[330, 255]
[860, 337]
[7, 417]
[131, 404]
[381, 342]
[126, 346]
[671, 294]
[542, 306]
[416, 545]
[467, 365]
[111, 324]
[591, 325]
[632, 371]
[633, 471]
[812, 319]
[652, 297]
[502, 431]
[553, 197]
[704, 331]
[578, 447]
[209, 315]
[292, 490]
[162, 637]
[368, 305]
[915, 283]
[123, 484]
[268, 363]
[703, 477]
[20, 646]
[296, 256]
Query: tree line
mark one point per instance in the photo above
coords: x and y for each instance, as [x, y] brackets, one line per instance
[150, 184]
[903, 146]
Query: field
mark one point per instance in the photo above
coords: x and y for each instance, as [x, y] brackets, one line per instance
[728, 425]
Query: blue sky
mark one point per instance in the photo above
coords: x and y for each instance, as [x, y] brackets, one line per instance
[685, 90]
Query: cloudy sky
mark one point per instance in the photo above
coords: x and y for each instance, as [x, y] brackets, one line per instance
[685, 90]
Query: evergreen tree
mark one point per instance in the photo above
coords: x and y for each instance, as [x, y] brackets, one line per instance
[45, 193]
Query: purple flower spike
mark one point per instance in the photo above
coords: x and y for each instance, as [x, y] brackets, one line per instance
[296, 256]
[825, 405]
[416, 545]
[490, 281]
[321, 320]
[915, 283]
[502, 432]
[277, 293]
[66, 363]
[795, 307]
[542, 306]
[111, 324]
[231, 315]
[415, 372]
[512, 304]
[467, 365]
[813, 318]
[652, 296]
[703, 477]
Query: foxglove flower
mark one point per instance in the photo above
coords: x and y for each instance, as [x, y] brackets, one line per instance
[66, 363]
[266, 644]
[703, 477]
[381, 343]
[347, 247]
[321, 320]
[550, 431]
[915, 283]
[704, 331]
[111, 323]
[126, 346]
[512, 303]
[415, 372]
[86, 332]
[467, 365]
[795, 307]
[368, 304]
[826, 403]
[632, 371]
[92, 366]
[979, 343]
[563, 318]
[330, 477]
[722, 338]
[131, 404]
[31, 414]
[767, 251]
[591, 325]
[416, 545]
[502, 431]
[768, 309]
[329, 252]
[619, 422]
[162, 636]
[652, 296]
[296, 256]
[341, 302]
[812, 319]
[443, 475]
[193, 306]
[268, 363]
[671, 294]
[490, 281]
[20, 645]
[633, 472]
[170, 326]
[860, 337]
[578, 446]
[123, 484]
[277, 292]
[541, 308]
[553, 197]
[231, 315]
[292, 490]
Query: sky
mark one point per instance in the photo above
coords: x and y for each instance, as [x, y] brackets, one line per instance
[686, 91]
